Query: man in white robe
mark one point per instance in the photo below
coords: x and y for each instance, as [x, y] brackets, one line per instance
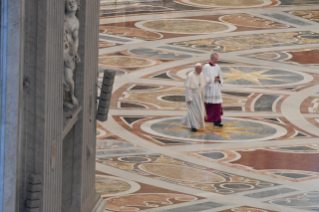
[213, 96]
[194, 88]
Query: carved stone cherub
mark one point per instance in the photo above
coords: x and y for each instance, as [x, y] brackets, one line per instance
[71, 45]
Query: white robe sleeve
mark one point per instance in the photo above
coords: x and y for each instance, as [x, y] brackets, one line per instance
[188, 91]
[206, 74]
[188, 94]
[220, 76]
[203, 94]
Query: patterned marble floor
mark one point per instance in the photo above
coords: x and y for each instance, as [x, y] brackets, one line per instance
[264, 159]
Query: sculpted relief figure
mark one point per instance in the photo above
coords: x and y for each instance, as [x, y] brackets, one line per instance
[71, 45]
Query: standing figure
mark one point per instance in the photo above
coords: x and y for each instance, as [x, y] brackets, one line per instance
[213, 96]
[194, 88]
[71, 45]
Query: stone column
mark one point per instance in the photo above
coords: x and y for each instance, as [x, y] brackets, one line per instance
[34, 139]
[9, 103]
[84, 138]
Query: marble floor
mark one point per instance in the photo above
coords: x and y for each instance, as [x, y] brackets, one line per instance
[264, 159]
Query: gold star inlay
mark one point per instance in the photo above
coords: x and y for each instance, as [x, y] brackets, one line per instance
[221, 131]
[253, 77]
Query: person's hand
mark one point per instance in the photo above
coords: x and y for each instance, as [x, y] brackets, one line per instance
[189, 102]
[217, 79]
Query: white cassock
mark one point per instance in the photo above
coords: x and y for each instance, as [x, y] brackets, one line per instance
[194, 88]
[212, 90]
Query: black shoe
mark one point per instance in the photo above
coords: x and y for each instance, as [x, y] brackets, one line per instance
[218, 124]
[194, 130]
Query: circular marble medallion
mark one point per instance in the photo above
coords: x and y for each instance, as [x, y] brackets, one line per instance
[183, 173]
[134, 159]
[186, 26]
[267, 56]
[114, 186]
[261, 76]
[233, 3]
[125, 61]
[234, 130]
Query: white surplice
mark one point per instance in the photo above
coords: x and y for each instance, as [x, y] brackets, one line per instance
[194, 88]
[212, 89]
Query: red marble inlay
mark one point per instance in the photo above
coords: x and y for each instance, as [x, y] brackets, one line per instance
[305, 57]
[262, 159]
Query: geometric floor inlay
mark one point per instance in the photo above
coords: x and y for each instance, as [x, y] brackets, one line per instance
[185, 26]
[195, 208]
[293, 163]
[312, 15]
[269, 193]
[109, 186]
[239, 43]
[263, 159]
[127, 195]
[305, 201]
[178, 172]
[233, 130]
[302, 57]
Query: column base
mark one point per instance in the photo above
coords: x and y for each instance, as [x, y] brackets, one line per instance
[100, 205]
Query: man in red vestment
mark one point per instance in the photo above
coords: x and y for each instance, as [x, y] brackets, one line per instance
[213, 97]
